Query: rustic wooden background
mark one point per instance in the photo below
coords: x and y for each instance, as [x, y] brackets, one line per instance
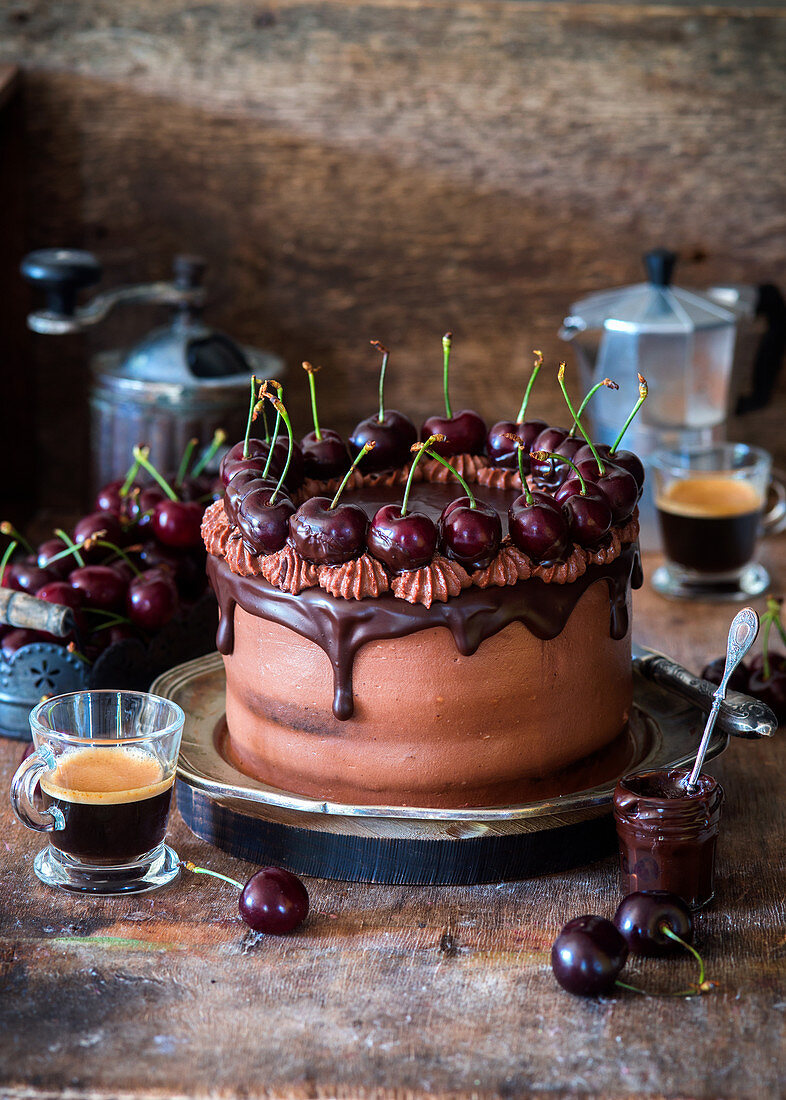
[389, 169]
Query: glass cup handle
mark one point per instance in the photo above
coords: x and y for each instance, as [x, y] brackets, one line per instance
[23, 789]
[772, 521]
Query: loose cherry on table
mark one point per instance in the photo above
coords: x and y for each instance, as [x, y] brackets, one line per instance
[26, 575]
[400, 539]
[464, 433]
[178, 523]
[49, 549]
[328, 533]
[101, 586]
[391, 432]
[152, 599]
[94, 525]
[650, 920]
[325, 454]
[273, 900]
[588, 956]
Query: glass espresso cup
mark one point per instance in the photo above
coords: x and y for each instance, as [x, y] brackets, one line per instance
[710, 502]
[100, 784]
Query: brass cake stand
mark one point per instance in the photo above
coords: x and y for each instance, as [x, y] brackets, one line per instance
[394, 844]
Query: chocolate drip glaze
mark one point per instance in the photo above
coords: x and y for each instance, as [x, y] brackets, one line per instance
[341, 627]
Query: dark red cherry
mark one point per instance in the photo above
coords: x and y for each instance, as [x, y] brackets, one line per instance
[640, 919]
[393, 436]
[465, 433]
[258, 449]
[240, 484]
[470, 536]
[265, 526]
[108, 498]
[26, 575]
[178, 523]
[503, 452]
[186, 567]
[328, 536]
[402, 542]
[140, 506]
[47, 550]
[94, 523]
[15, 639]
[588, 955]
[152, 599]
[771, 691]
[63, 593]
[548, 470]
[101, 586]
[539, 529]
[589, 515]
[621, 491]
[738, 681]
[273, 901]
[324, 458]
[626, 460]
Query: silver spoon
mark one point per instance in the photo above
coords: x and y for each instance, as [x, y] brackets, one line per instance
[742, 634]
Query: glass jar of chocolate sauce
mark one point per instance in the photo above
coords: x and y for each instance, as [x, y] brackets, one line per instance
[667, 836]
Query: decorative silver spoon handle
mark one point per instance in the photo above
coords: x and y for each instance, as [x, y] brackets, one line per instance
[742, 634]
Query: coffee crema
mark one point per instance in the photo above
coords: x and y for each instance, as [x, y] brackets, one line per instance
[710, 524]
[107, 775]
[713, 497]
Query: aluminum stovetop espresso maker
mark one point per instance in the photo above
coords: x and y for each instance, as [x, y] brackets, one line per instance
[690, 345]
[182, 381]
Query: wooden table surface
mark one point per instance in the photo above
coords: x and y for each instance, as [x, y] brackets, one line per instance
[391, 991]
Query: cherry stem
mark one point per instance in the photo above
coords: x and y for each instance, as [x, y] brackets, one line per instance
[278, 405]
[8, 529]
[71, 648]
[140, 454]
[251, 404]
[419, 449]
[453, 470]
[770, 616]
[575, 415]
[385, 356]
[120, 553]
[114, 620]
[535, 371]
[520, 459]
[189, 866]
[447, 344]
[607, 382]
[125, 488]
[541, 456]
[72, 547]
[311, 371]
[185, 461]
[369, 446]
[701, 986]
[219, 437]
[271, 442]
[7, 555]
[643, 391]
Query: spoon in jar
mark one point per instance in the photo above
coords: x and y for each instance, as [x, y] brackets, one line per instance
[742, 634]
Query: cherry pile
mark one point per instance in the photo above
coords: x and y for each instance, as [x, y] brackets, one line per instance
[580, 490]
[590, 952]
[127, 568]
[764, 676]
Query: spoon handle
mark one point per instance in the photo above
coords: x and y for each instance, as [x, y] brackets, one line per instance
[742, 634]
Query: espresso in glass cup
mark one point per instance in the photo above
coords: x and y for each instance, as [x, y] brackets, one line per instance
[710, 502]
[100, 784]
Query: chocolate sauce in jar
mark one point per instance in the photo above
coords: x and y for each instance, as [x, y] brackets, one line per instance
[667, 836]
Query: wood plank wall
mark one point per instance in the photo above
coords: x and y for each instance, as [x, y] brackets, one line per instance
[391, 169]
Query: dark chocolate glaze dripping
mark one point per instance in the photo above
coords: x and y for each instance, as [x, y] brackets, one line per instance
[340, 627]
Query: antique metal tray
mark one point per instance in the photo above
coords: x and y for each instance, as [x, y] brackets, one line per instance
[566, 823]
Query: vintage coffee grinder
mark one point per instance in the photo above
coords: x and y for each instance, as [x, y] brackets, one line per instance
[683, 342]
[181, 381]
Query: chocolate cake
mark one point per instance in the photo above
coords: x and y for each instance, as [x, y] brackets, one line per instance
[439, 685]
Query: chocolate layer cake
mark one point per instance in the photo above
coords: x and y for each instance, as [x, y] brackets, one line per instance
[434, 687]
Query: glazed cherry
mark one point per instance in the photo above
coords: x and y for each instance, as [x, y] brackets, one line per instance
[402, 542]
[501, 450]
[258, 449]
[548, 470]
[328, 536]
[177, 523]
[588, 955]
[241, 483]
[621, 491]
[273, 901]
[626, 460]
[393, 436]
[152, 599]
[324, 458]
[100, 585]
[641, 917]
[538, 528]
[464, 433]
[588, 514]
[265, 525]
[470, 536]
[738, 681]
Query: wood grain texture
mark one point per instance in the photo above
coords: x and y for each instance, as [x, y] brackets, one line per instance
[393, 992]
[389, 170]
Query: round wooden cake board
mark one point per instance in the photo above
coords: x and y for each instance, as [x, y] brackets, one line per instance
[567, 823]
